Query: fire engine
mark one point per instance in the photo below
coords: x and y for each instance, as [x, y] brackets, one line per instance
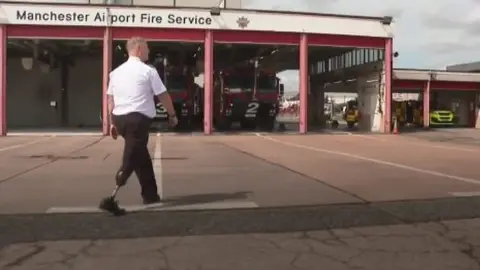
[247, 96]
[185, 95]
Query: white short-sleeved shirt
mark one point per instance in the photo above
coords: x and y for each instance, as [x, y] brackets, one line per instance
[133, 86]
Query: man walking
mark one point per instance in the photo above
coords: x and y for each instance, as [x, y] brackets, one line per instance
[132, 88]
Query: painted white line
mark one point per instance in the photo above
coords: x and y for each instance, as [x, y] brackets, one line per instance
[159, 207]
[157, 165]
[376, 161]
[368, 137]
[25, 144]
[337, 132]
[426, 144]
[57, 134]
[445, 147]
[465, 194]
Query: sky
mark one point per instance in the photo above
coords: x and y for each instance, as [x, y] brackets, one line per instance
[428, 33]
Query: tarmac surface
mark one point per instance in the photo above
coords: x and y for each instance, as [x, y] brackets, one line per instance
[336, 200]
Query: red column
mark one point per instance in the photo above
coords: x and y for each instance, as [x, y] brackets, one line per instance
[107, 67]
[208, 83]
[303, 83]
[388, 85]
[3, 80]
[426, 105]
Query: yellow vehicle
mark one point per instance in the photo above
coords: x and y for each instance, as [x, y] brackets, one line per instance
[352, 114]
[418, 116]
[442, 118]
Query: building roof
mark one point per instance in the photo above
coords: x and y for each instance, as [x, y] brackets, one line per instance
[92, 3]
[440, 75]
[465, 67]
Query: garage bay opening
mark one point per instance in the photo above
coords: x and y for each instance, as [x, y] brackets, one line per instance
[247, 88]
[54, 85]
[178, 65]
[346, 88]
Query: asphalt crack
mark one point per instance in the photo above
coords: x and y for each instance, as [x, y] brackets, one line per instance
[37, 249]
[163, 253]
[68, 258]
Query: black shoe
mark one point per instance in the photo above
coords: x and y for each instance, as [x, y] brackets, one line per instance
[153, 200]
[110, 205]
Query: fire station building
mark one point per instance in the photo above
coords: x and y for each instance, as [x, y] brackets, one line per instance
[55, 59]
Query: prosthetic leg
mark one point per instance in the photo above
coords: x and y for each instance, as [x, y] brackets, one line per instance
[109, 204]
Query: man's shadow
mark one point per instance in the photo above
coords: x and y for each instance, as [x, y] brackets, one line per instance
[204, 198]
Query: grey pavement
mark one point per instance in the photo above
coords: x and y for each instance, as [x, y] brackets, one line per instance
[322, 201]
[460, 136]
[441, 245]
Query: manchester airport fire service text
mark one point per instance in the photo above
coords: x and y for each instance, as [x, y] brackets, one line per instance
[85, 18]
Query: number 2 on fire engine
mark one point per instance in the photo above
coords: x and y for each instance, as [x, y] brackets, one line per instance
[253, 108]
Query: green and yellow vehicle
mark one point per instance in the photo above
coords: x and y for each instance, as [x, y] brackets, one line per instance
[351, 114]
[442, 118]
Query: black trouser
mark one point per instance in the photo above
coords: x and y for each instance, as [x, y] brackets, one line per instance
[134, 128]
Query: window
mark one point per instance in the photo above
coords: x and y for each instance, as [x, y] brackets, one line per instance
[176, 82]
[375, 54]
[348, 59]
[381, 55]
[362, 56]
[267, 82]
[238, 81]
[370, 57]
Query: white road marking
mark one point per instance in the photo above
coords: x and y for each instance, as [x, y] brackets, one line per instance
[25, 144]
[57, 134]
[426, 144]
[444, 147]
[465, 194]
[376, 161]
[338, 132]
[157, 165]
[160, 207]
[368, 137]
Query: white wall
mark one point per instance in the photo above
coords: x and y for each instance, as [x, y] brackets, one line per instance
[371, 99]
[29, 93]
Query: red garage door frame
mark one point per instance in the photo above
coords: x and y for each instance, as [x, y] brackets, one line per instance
[408, 84]
[346, 41]
[437, 85]
[42, 32]
[159, 34]
[255, 37]
[55, 32]
[259, 37]
[455, 86]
